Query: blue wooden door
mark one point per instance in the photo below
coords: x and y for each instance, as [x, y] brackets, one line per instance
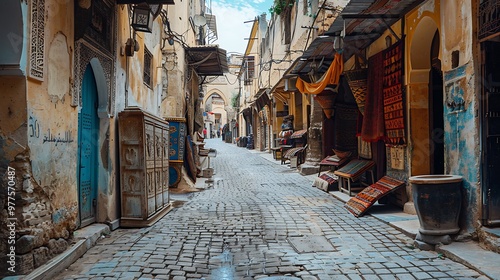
[88, 132]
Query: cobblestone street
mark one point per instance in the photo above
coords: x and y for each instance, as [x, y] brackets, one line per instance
[259, 220]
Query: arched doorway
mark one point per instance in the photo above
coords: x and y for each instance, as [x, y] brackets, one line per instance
[88, 136]
[426, 100]
[436, 110]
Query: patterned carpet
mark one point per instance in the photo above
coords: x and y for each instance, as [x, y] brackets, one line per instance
[327, 181]
[359, 204]
[354, 168]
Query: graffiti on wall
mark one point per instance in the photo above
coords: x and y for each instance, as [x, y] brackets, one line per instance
[58, 139]
[34, 131]
[455, 84]
[33, 127]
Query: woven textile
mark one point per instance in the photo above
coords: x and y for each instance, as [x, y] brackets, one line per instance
[190, 162]
[359, 204]
[293, 152]
[299, 133]
[326, 101]
[357, 80]
[364, 149]
[354, 168]
[326, 182]
[331, 77]
[393, 95]
[373, 128]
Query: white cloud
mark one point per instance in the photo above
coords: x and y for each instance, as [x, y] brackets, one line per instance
[231, 29]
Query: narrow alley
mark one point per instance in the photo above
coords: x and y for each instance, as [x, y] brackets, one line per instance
[261, 220]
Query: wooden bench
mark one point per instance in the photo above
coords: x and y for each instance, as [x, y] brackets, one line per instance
[331, 164]
[298, 152]
[351, 172]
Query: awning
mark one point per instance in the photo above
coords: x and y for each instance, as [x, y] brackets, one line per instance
[247, 114]
[150, 2]
[262, 99]
[280, 91]
[315, 60]
[298, 134]
[207, 60]
[365, 21]
[330, 77]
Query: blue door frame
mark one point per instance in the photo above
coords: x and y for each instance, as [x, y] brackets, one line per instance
[88, 136]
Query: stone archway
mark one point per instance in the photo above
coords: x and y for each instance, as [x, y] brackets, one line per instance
[215, 92]
[420, 111]
[102, 88]
[218, 112]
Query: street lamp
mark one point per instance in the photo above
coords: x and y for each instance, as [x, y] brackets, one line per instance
[142, 18]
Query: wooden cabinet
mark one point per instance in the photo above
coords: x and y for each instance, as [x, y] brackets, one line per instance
[143, 144]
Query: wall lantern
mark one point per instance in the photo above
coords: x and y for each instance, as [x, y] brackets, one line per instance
[142, 18]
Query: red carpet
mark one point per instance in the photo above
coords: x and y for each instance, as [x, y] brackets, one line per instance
[359, 204]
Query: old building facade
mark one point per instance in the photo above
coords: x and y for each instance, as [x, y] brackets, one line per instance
[441, 118]
[67, 71]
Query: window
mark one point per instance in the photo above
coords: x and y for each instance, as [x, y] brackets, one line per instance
[249, 69]
[148, 59]
[286, 33]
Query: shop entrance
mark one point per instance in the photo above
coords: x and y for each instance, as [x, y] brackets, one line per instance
[491, 132]
[426, 101]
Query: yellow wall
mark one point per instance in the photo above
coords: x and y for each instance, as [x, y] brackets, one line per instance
[54, 165]
[421, 25]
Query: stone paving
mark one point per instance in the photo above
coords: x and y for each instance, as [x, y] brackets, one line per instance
[261, 220]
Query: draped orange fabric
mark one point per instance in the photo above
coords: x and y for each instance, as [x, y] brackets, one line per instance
[331, 77]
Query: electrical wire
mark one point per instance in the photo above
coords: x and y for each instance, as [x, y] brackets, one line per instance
[314, 20]
[229, 81]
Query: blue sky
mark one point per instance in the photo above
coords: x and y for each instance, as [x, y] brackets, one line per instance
[231, 15]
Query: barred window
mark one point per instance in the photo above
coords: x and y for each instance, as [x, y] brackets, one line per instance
[148, 64]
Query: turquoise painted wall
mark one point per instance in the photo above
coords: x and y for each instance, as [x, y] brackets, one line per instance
[462, 140]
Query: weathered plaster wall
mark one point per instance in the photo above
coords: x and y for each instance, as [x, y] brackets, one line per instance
[38, 136]
[176, 78]
[175, 101]
[462, 139]
[130, 70]
[53, 123]
[454, 23]
[13, 116]
[13, 142]
[53, 127]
